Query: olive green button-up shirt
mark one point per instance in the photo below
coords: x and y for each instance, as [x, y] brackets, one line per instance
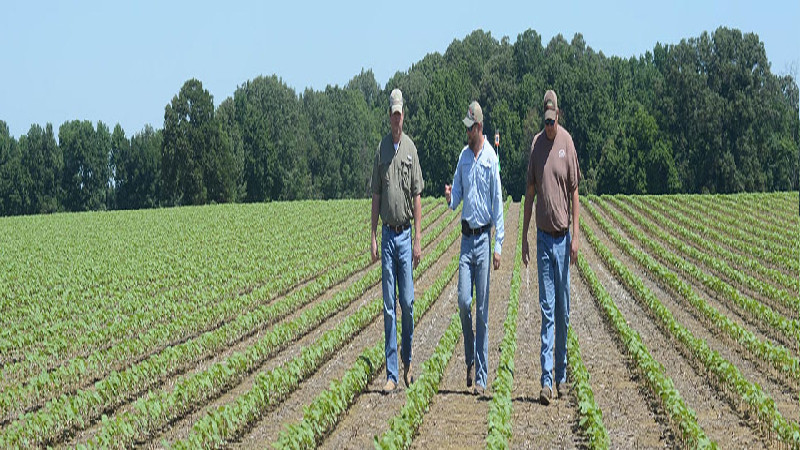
[397, 178]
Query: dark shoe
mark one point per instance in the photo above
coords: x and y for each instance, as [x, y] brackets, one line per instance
[561, 389]
[470, 375]
[408, 377]
[389, 387]
[545, 395]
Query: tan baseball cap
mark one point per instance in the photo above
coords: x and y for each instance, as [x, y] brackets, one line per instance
[474, 114]
[550, 105]
[396, 102]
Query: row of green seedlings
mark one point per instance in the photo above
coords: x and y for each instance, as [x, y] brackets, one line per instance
[85, 334]
[28, 386]
[67, 338]
[228, 422]
[324, 412]
[590, 415]
[499, 415]
[682, 418]
[717, 264]
[748, 395]
[763, 220]
[49, 385]
[762, 215]
[404, 426]
[77, 318]
[173, 236]
[322, 415]
[765, 245]
[778, 356]
[72, 412]
[667, 214]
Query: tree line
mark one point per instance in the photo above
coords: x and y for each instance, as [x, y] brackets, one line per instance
[702, 116]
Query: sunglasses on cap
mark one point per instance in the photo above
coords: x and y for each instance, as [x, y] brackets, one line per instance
[549, 122]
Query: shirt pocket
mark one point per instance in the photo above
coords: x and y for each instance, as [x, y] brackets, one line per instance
[485, 173]
[405, 176]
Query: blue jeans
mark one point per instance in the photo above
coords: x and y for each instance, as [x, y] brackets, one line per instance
[552, 256]
[397, 276]
[473, 270]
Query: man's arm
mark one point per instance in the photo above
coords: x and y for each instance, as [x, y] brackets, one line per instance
[573, 252]
[417, 250]
[530, 194]
[376, 207]
[497, 217]
[453, 195]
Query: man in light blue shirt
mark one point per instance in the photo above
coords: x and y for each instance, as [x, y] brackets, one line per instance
[477, 183]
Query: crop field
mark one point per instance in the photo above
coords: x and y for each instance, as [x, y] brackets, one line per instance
[252, 326]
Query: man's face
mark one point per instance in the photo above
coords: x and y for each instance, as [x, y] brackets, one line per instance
[397, 124]
[550, 128]
[472, 134]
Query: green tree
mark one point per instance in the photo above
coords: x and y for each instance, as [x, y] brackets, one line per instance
[43, 162]
[275, 135]
[86, 175]
[120, 149]
[138, 170]
[344, 135]
[442, 135]
[14, 179]
[226, 115]
[198, 165]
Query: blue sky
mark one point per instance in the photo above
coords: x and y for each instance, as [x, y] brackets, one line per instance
[122, 62]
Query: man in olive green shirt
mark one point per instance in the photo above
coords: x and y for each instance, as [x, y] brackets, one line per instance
[396, 187]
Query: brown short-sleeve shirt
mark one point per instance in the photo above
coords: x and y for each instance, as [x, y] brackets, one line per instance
[554, 171]
[397, 178]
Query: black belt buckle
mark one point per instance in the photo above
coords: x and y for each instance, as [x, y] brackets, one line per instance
[556, 234]
[467, 231]
[398, 228]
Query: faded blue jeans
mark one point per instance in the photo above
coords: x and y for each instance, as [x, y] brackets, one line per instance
[473, 270]
[552, 257]
[397, 278]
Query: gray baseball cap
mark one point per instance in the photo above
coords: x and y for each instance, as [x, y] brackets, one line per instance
[550, 105]
[474, 114]
[396, 101]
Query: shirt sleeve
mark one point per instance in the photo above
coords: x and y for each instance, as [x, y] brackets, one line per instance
[497, 211]
[531, 177]
[574, 170]
[455, 194]
[417, 183]
[376, 176]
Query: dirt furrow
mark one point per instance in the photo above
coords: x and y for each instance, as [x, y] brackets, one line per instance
[630, 412]
[457, 418]
[426, 334]
[713, 408]
[181, 428]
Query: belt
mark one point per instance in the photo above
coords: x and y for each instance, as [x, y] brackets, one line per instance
[555, 234]
[467, 231]
[398, 228]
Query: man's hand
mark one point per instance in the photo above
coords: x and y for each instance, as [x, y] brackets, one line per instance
[496, 261]
[417, 252]
[374, 249]
[573, 252]
[526, 254]
[447, 193]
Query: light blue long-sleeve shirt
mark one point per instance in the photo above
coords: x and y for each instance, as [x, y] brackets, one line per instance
[477, 182]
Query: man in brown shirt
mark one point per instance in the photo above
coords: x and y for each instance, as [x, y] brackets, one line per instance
[553, 175]
[396, 187]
